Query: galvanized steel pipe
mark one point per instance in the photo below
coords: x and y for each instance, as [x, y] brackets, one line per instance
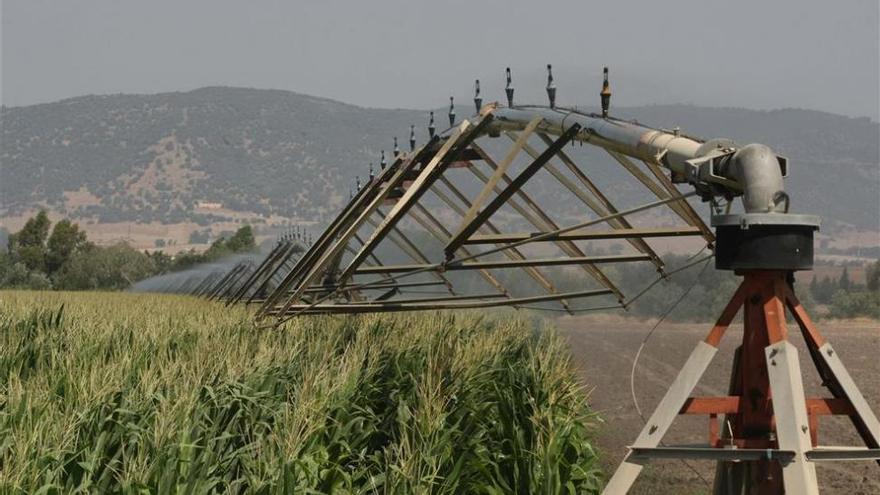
[754, 168]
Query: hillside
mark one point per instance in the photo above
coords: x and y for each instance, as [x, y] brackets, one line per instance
[195, 156]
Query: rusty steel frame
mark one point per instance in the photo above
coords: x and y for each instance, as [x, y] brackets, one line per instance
[257, 281]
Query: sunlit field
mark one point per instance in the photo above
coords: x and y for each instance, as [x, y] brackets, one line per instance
[110, 392]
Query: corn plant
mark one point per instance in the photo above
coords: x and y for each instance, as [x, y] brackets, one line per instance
[114, 392]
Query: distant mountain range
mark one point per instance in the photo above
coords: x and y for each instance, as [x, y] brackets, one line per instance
[172, 157]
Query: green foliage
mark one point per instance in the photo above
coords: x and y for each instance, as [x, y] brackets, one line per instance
[854, 304]
[844, 282]
[157, 394]
[35, 231]
[66, 240]
[199, 236]
[110, 268]
[823, 290]
[29, 244]
[16, 275]
[242, 240]
[872, 277]
[67, 260]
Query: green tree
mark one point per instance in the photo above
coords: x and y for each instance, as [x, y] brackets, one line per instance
[844, 283]
[873, 277]
[65, 240]
[29, 244]
[109, 268]
[242, 241]
[855, 304]
[15, 275]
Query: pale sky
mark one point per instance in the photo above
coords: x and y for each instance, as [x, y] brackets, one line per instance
[816, 54]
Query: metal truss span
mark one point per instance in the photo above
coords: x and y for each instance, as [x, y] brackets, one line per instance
[472, 220]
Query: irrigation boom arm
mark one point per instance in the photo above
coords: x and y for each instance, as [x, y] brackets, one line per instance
[715, 168]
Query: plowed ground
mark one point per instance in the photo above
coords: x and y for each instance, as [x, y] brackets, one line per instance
[604, 348]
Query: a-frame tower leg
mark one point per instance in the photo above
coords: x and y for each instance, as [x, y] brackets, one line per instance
[774, 427]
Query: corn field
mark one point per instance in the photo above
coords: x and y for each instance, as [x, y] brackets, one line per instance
[115, 392]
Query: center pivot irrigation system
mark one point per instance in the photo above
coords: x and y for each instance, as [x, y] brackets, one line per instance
[459, 189]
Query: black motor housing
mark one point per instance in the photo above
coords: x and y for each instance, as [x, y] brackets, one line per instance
[771, 241]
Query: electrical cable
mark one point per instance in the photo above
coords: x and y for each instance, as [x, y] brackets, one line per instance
[632, 374]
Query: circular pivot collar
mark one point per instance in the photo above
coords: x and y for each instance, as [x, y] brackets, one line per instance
[764, 241]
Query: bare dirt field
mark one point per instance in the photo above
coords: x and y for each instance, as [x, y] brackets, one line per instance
[603, 350]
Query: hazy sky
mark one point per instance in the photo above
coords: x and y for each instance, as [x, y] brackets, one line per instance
[818, 54]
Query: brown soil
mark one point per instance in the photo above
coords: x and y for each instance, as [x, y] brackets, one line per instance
[603, 350]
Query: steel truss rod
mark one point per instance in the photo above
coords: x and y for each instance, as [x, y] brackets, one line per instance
[381, 303]
[264, 271]
[500, 170]
[487, 265]
[473, 222]
[266, 263]
[464, 135]
[392, 306]
[523, 242]
[233, 282]
[364, 198]
[322, 288]
[275, 277]
[540, 220]
[600, 205]
[667, 184]
[335, 238]
[534, 273]
[685, 213]
[587, 235]
[408, 247]
[318, 268]
[204, 284]
[262, 283]
[436, 228]
[212, 292]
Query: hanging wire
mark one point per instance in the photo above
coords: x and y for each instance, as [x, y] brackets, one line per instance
[663, 316]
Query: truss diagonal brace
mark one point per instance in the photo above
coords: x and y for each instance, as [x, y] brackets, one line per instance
[449, 152]
[500, 170]
[534, 273]
[469, 228]
[334, 248]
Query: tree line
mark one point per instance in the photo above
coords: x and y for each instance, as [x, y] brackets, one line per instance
[847, 299]
[42, 256]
